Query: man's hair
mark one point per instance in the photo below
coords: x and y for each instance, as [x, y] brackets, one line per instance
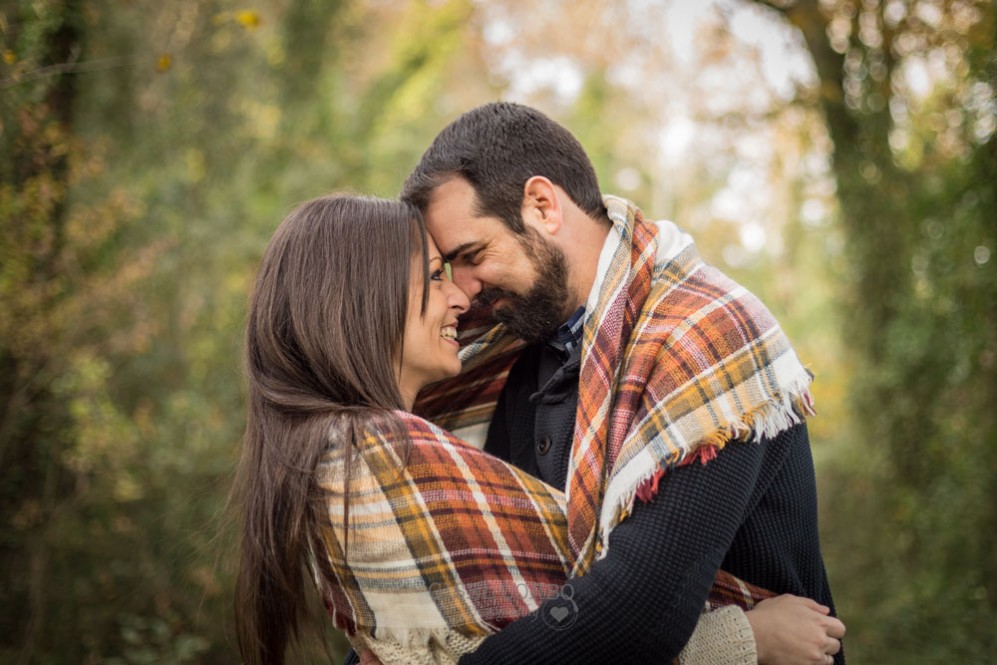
[497, 148]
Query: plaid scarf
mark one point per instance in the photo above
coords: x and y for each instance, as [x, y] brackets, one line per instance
[447, 545]
[677, 360]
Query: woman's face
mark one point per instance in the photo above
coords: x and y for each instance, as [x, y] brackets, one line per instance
[429, 351]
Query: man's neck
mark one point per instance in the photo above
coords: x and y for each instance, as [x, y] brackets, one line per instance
[587, 239]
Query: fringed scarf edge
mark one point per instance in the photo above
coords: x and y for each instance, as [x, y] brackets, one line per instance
[641, 479]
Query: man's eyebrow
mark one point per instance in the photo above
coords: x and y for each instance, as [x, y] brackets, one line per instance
[458, 250]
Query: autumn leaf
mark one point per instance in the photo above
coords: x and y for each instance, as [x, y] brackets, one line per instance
[248, 19]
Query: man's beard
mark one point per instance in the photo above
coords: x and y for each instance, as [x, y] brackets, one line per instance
[536, 315]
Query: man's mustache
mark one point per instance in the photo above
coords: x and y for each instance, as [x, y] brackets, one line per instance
[491, 294]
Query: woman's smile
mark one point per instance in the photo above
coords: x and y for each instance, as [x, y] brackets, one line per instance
[424, 359]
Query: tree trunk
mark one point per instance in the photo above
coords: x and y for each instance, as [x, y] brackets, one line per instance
[39, 125]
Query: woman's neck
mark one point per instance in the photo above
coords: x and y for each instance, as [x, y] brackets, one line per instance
[408, 393]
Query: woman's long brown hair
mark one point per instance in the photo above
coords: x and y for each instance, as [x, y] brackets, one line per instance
[323, 338]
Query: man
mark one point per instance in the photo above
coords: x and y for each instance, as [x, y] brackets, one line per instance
[513, 203]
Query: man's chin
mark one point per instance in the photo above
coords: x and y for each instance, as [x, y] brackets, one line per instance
[528, 329]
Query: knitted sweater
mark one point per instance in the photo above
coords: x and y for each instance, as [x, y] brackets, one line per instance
[751, 511]
[722, 637]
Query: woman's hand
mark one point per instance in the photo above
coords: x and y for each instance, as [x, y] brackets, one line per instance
[790, 630]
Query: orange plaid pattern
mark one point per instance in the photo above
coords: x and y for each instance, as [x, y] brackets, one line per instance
[444, 538]
[441, 537]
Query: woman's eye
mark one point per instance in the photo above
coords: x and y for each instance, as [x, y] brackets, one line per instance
[445, 269]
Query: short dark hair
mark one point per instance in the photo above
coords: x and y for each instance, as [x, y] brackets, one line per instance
[497, 148]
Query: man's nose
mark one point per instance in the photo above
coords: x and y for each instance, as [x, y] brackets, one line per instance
[466, 281]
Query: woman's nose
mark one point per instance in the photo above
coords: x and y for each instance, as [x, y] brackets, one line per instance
[457, 298]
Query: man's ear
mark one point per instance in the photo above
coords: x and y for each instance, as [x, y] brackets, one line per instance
[541, 204]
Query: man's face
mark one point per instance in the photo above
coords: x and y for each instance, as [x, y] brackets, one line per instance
[523, 277]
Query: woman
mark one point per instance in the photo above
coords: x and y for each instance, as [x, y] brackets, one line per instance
[420, 545]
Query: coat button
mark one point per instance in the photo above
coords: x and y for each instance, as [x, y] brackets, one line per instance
[543, 445]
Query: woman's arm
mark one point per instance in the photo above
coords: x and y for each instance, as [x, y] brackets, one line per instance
[722, 637]
[784, 630]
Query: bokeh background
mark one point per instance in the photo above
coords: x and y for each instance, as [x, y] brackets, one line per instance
[838, 157]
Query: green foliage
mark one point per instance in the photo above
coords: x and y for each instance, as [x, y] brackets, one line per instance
[143, 173]
[912, 528]
[150, 148]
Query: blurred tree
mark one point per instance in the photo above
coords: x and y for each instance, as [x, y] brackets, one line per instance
[37, 138]
[149, 150]
[105, 416]
[907, 89]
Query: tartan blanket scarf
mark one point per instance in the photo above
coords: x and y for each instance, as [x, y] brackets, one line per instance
[445, 540]
[447, 544]
[677, 360]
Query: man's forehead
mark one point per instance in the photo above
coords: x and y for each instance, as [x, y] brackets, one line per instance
[453, 219]
[452, 233]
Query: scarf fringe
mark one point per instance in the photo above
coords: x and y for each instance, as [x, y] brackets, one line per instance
[773, 417]
[765, 421]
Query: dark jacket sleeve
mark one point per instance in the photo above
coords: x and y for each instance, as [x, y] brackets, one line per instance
[642, 601]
